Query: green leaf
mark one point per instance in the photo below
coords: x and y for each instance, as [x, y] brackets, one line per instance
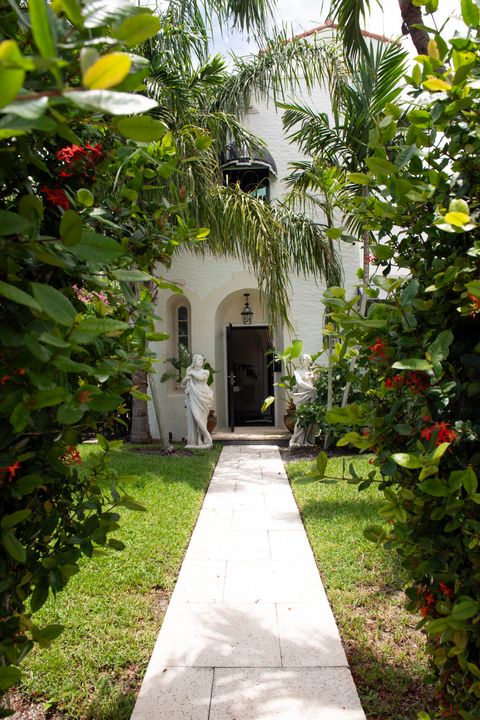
[131, 275]
[11, 292]
[73, 11]
[434, 486]
[381, 167]
[412, 364]
[374, 533]
[116, 544]
[54, 304]
[97, 249]
[28, 109]
[458, 219]
[107, 71]
[71, 227]
[470, 13]
[42, 33]
[136, 29]
[470, 481]
[101, 326]
[85, 197]
[109, 101]
[48, 398]
[9, 676]
[9, 521]
[142, 129]
[322, 461]
[105, 402]
[358, 178]
[406, 460]
[13, 224]
[13, 546]
[266, 403]
[11, 78]
[382, 252]
[39, 596]
[465, 609]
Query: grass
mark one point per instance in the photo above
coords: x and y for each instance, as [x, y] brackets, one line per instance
[364, 584]
[113, 608]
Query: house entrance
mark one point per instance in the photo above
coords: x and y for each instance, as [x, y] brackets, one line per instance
[250, 375]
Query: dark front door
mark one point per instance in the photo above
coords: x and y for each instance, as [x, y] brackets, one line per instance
[250, 376]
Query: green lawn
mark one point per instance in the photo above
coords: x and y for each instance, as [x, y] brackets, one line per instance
[363, 583]
[113, 608]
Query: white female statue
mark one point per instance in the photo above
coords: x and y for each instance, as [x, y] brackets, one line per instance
[198, 402]
[305, 393]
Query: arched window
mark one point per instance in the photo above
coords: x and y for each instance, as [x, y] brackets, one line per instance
[182, 326]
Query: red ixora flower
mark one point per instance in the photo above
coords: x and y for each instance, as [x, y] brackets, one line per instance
[444, 433]
[11, 469]
[56, 196]
[78, 158]
[446, 590]
[379, 350]
[417, 381]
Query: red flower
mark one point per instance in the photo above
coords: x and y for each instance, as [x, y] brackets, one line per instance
[379, 350]
[444, 433]
[71, 456]
[12, 469]
[417, 381]
[475, 304]
[446, 589]
[395, 382]
[56, 196]
[5, 379]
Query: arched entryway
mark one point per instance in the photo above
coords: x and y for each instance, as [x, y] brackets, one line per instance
[241, 353]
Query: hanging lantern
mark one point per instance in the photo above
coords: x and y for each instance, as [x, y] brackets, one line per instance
[247, 312]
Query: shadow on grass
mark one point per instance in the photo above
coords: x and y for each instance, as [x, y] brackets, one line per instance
[362, 508]
[388, 689]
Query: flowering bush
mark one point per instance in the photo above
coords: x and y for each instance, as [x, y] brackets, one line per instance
[421, 341]
[76, 314]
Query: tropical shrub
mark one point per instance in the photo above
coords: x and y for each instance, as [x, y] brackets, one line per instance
[87, 209]
[421, 340]
[315, 412]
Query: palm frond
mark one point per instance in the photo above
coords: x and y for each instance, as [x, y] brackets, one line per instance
[350, 15]
[285, 63]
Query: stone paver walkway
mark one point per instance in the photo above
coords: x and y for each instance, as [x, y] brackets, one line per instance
[249, 633]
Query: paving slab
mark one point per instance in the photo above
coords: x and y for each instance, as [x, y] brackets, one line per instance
[285, 694]
[249, 633]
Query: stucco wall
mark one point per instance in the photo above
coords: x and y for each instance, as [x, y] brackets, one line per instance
[213, 287]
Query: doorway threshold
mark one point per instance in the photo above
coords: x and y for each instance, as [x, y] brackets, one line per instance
[252, 435]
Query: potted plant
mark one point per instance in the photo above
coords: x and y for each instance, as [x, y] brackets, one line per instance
[287, 380]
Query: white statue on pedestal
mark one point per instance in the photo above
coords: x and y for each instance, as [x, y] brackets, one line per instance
[305, 393]
[198, 402]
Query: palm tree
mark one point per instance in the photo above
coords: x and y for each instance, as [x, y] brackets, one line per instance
[344, 144]
[201, 102]
[350, 15]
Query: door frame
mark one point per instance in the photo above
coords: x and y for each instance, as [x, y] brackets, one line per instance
[231, 377]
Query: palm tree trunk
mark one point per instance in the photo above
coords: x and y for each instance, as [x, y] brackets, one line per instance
[412, 15]
[165, 445]
[326, 442]
[140, 429]
[363, 302]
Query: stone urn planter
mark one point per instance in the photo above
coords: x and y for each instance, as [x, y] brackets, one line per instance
[211, 421]
[289, 418]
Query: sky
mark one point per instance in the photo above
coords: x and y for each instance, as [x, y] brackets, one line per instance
[302, 15]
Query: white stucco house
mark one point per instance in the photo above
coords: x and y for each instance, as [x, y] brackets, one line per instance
[207, 315]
